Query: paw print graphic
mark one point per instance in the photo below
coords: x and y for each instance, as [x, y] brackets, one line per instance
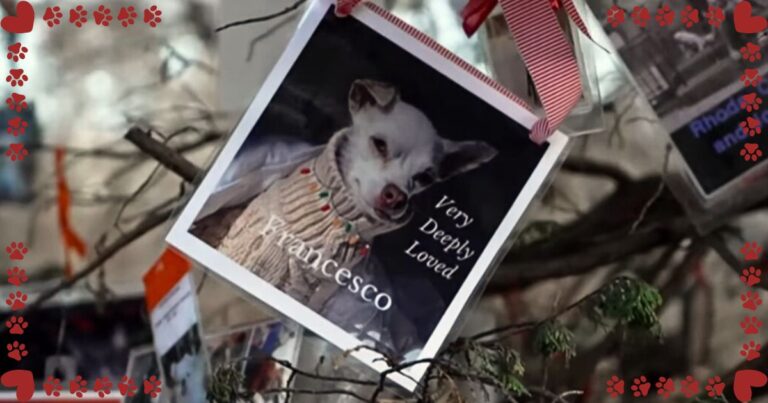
[715, 386]
[16, 324]
[102, 16]
[16, 126]
[751, 78]
[614, 386]
[152, 16]
[751, 325]
[665, 386]
[750, 351]
[615, 16]
[127, 16]
[16, 152]
[751, 102]
[665, 16]
[640, 387]
[640, 16]
[689, 16]
[103, 386]
[152, 386]
[751, 52]
[17, 276]
[715, 16]
[750, 300]
[750, 276]
[751, 152]
[16, 77]
[16, 300]
[127, 387]
[16, 350]
[78, 386]
[689, 386]
[53, 16]
[78, 16]
[751, 126]
[16, 251]
[52, 386]
[17, 52]
[16, 102]
[751, 251]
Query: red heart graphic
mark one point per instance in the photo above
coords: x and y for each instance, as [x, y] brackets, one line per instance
[22, 22]
[22, 380]
[745, 22]
[743, 382]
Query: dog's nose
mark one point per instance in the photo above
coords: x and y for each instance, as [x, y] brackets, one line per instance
[392, 198]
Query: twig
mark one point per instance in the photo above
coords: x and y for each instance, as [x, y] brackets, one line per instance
[164, 155]
[263, 18]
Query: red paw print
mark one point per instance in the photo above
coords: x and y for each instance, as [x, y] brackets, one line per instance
[127, 387]
[16, 102]
[640, 16]
[16, 301]
[17, 52]
[103, 386]
[750, 300]
[78, 16]
[53, 16]
[16, 251]
[52, 386]
[715, 386]
[102, 16]
[689, 386]
[751, 126]
[614, 386]
[751, 325]
[152, 386]
[689, 16]
[751, 52]
[16, 152]
[17, 324]
[751, 78]
[751, 102]
[750, 276]
[16, 77]
[751, 152]
[640, 387]
[665, 16]
[751, 251]
[16, 350]
[78, 386]
[127, 16]
[615, 16]
[17, 276]
[16, 126]
[715, 16]
[665, 387]
[152, 16]
[750, 351]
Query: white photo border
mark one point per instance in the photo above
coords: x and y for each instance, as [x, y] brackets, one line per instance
[226, 268]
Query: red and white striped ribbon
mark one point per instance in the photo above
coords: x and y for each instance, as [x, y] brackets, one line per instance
[542, 44]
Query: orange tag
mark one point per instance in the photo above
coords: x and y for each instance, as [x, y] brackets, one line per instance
[71, 241]
[164, 275]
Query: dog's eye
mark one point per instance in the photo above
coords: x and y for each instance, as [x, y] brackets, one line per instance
[380, 146]
[424, 178]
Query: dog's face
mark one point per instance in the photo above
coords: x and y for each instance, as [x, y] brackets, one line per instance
[394, 152]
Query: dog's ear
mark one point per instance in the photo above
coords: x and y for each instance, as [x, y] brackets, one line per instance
[463, 156]
[366, 93]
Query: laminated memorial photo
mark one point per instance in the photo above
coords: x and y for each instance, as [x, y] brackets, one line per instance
[691, 75]
[369, 187]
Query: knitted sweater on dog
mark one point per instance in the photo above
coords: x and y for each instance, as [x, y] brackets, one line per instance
[318, 209]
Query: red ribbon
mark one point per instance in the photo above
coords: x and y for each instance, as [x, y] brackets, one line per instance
[70, 239]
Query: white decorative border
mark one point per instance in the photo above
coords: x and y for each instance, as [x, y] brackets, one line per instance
[444, 62]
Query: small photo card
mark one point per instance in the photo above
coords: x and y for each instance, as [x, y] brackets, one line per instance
[368, 188]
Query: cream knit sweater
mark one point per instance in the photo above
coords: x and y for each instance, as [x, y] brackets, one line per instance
[317, 208]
